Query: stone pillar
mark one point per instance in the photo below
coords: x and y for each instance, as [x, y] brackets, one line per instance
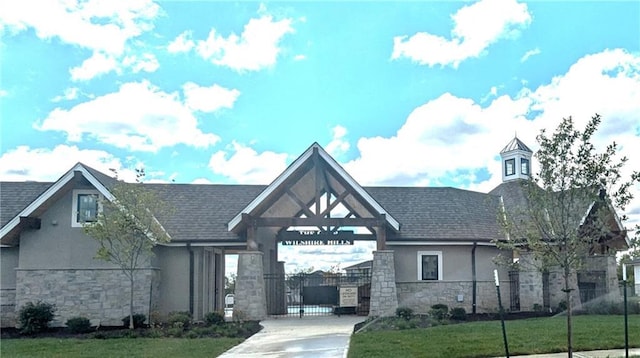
[530, 282]
[250, 300]
[384, 297]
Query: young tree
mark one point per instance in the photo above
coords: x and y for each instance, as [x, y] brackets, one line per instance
[127, 230]
[572, 179]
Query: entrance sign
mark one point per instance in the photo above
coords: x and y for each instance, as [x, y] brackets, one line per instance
[316, 237]
[349, 296]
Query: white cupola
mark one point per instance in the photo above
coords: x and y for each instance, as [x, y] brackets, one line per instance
[516, 160]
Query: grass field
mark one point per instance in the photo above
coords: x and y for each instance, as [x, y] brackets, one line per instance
[484, 339]
[474, 339]
[118, 347]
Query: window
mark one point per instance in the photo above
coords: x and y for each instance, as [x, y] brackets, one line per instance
[510, 166]
[85, 207]
[524, 166]
[429, 265]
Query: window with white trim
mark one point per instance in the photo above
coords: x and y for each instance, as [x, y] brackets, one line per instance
[429, 265]
[524, 166]
[85, 207]
[510, 167]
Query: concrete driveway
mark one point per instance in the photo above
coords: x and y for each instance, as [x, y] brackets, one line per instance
[299, 337]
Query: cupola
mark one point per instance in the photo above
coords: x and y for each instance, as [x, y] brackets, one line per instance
[516, 160]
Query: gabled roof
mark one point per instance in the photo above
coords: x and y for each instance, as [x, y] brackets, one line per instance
[515, 144]
[15, 198]
[295, 173]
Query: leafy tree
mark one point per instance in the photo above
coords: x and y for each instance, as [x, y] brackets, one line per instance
[127, 230]
[230, 283]
[551, 225]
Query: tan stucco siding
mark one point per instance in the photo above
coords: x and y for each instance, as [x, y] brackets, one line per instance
[456, 262]
[56, 244]
[9, 262]
[174, 281]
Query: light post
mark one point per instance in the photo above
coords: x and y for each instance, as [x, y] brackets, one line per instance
[626, 323]
[504, 331]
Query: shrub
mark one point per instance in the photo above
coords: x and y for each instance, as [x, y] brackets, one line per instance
[138, 320]
[179, 319]
[404, 312]
[458, 314]
[214, 318]
[78, 325]
[439, 311]
[35, 318]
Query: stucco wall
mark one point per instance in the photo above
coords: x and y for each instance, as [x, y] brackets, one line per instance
[456, 261]
[174, 288]
[56, 244]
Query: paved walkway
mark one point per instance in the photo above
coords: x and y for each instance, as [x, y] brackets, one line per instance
[322, 337]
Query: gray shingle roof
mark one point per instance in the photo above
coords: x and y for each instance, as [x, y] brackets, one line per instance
[16, 196]
[441, 213]
[201, 212]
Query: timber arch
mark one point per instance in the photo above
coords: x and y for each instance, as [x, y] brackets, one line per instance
[313, 199]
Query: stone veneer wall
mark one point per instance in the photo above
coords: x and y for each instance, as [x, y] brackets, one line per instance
[250, 296]
[102, 295]
[420, 296]
[384, 297]
[7, 307]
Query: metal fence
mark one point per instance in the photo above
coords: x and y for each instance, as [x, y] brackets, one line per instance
[317, 294]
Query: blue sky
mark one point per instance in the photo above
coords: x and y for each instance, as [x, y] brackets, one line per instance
[400, 93]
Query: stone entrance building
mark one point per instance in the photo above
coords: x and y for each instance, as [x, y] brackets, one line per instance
[433, 245]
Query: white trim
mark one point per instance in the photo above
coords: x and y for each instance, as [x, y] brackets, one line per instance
[292, 168]
[74, 204]
[203, 244]
[54, 188]
[430, 253]
[439, 243]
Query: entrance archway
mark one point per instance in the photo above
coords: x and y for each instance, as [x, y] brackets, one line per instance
[313, 200]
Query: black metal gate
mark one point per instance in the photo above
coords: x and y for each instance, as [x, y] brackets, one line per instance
[317, 294]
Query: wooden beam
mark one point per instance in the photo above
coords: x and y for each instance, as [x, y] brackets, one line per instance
[30, 223]
[304, 207]
[316, 221]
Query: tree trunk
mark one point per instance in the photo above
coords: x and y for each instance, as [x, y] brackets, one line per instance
[131, 301]
[567, 290]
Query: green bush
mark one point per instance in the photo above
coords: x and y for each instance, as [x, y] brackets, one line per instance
[138, 320]
[458, 314]
[214, 318]
[439, 311]
[179, 319]
[78, 325]
[404, 312]
[35, 318]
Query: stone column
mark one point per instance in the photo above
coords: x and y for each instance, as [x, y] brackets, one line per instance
[250, 300]
[384, 297]
[531, 283]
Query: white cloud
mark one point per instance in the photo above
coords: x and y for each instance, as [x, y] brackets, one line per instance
[528, 54]
[476, 27]
[256, 48]
[96, 65]
[182, 43]
[452, 137]
[68, 95]
[209, 99]
[338, 144]
[147, 63]
[244, 165]
[139, 117]
[102, 26]
[18, 164]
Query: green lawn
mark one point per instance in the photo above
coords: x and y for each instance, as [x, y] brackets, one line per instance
[117, 347]
[484, 339]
